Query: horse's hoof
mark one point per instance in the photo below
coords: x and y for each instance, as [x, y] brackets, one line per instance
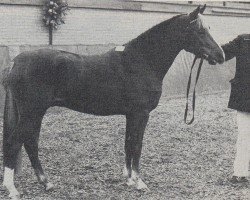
[13, 193]
[49, 187]
[140, 185]
[130, 182]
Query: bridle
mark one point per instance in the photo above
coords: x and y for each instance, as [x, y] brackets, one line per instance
[187, 31]
[189, 85]
[194, 93]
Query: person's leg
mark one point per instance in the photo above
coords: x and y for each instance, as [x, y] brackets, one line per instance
[241, 163]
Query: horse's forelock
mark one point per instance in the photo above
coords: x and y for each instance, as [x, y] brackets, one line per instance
[201, 21]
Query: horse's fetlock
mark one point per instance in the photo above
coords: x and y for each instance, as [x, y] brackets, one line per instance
[134, 175]
[42, 179]
[49, 186]
[130, 182]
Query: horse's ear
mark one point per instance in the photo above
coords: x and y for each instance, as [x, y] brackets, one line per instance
[203, 8]
[193, 15]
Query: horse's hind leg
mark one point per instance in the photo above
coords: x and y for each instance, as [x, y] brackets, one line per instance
[10, 160]
[12, 147]
[12, 143]
[136, 124]
[31, 147]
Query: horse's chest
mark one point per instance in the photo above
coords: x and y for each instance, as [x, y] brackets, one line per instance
[142, 99]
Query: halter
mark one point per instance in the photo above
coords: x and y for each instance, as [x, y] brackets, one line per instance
[188, 28]
[201, 19]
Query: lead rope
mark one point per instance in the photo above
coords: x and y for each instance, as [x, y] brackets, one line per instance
[188, 90]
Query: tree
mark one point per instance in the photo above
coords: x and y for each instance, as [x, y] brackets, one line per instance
[54, 12]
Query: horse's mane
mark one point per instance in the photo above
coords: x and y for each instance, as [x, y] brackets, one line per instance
[166, 24]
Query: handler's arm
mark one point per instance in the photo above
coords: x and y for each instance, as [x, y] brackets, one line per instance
[231, 49]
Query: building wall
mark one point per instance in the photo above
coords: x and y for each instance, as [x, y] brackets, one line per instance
[118, 27]
[21, 25]
[109, 21]
[93, 27]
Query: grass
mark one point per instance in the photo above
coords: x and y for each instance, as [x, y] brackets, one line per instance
[83, 155]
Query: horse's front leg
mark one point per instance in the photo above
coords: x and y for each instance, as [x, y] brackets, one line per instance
[135, 127]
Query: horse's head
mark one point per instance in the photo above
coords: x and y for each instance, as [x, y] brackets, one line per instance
[199, 41]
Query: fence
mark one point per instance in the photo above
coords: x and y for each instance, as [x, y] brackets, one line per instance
[92, 22]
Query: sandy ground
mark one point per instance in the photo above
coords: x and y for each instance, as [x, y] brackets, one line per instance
[83, 155]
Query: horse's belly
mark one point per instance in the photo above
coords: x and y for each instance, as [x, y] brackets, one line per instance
[110, 100]
[99, 101]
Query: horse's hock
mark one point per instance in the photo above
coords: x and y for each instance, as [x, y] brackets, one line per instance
[213, 78]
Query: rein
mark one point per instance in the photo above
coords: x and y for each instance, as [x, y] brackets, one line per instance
[188, 90]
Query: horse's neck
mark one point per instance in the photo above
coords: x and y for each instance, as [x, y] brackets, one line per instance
[159, 54]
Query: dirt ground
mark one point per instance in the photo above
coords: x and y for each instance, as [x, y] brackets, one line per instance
[83, 155]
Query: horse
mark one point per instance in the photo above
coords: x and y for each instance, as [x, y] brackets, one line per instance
[126, 80]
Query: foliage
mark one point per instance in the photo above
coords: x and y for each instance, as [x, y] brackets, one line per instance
[54, 12]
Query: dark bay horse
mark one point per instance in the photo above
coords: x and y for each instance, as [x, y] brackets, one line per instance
[127, 80]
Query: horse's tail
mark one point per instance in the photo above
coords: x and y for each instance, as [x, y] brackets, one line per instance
[5, 76]
[10, 122]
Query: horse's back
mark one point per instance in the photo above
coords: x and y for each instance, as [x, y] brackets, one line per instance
[49, 65]
[84, 83]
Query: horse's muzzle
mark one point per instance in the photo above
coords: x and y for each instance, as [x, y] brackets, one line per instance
[219, 58]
